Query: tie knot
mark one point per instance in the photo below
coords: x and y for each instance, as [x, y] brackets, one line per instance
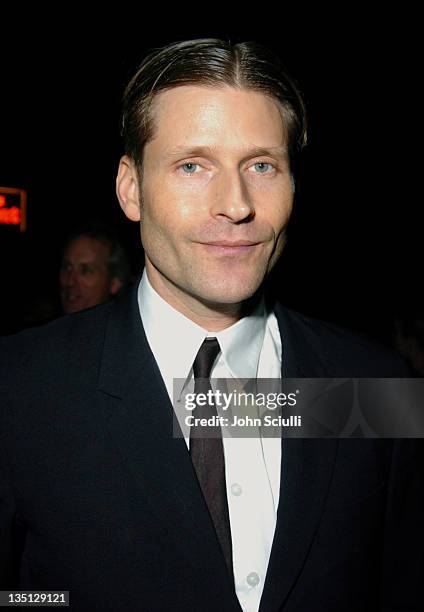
[205, 358]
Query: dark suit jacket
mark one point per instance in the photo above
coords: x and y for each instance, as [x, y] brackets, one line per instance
[98, 498]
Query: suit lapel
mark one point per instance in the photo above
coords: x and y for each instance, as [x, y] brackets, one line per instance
[306, 469]
[141, 425]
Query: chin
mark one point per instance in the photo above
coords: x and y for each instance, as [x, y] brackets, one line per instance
[229, 292]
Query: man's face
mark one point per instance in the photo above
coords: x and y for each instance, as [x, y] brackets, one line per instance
[216, 193]
[84, 278]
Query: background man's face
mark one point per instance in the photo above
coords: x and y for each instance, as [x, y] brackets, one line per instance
[217, 192]
[84, 277]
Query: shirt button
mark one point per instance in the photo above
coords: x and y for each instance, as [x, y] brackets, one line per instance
[253, 579]
[236, 489]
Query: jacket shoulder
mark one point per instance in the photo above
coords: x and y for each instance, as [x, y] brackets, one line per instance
[49, 347]
[336, 350]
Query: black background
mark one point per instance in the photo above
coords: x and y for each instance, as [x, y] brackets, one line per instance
[354, 249]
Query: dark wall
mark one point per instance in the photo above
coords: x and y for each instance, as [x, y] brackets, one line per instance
[354, 249]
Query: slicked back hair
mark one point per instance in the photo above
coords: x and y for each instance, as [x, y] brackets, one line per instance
[214, 63]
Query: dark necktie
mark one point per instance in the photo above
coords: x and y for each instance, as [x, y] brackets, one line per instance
[207, 453]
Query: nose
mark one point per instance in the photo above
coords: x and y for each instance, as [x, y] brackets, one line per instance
[232, 199]
[68, 278]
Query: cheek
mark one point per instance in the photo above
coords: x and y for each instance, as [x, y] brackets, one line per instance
[169, 216]
[281, 212]
[171, 198]
[95, 283]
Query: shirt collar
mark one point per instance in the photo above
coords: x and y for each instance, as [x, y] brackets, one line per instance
[169, 333]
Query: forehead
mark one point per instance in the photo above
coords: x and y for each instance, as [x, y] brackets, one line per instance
[224, 117]
[86, 249]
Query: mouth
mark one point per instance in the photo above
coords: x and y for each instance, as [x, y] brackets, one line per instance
[230, 247]
[71, 298]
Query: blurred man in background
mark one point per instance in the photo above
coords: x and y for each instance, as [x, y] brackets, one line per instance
[94, 268]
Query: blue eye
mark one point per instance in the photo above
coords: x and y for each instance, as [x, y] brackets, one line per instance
[190, 167]
[262, 167]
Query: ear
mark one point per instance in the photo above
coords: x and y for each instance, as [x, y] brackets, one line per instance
[115, 285]
[127, 188]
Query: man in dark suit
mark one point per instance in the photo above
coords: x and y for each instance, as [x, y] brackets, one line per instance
[97, 496]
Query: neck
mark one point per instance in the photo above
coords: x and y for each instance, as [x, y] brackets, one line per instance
[213, 317]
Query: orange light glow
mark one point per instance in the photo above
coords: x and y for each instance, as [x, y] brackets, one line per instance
[13, 207]
[10, 216]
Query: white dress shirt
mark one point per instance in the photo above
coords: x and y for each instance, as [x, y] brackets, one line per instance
[251, 348]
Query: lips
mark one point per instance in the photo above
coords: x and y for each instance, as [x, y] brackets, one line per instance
[231, 243]
[71, 300]
[230, 247]
[71, 297]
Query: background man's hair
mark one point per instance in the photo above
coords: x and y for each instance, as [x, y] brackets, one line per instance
[118, 265]
[208, 62]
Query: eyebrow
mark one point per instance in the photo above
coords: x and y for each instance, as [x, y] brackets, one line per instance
[201, 151]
